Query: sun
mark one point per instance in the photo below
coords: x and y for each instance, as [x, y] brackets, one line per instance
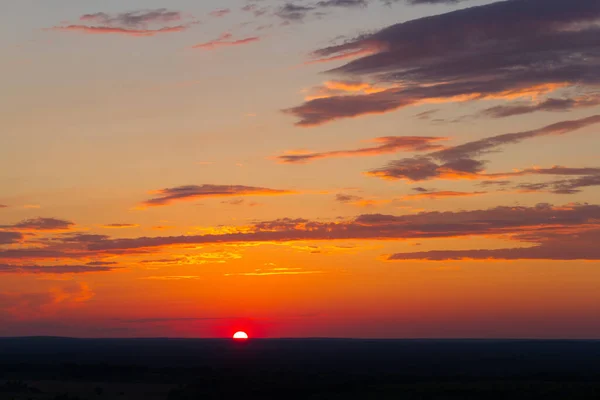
[240, 335]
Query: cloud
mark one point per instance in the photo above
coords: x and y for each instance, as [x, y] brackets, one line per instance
[190, 192]
[3, 206]
[120, 31]
[223, 41]
[386, 145]
[240, 202]
[255, 9]
[550, 104]
[53, 269]
[440, 194]
[41, 224]
[494, 183]
[294, 12]
[346, 198]
[134, 18]
[10, 237]
[36, 253]
[504, 50]
[101, 263]
[422, 189]
[478, 147]
[494, 221]
[220, 12]
[456, 162]
[548, 246]
[562, 186]
[359, 201]
[333, 88]
[218, 257]
[120, 226]
[342, 3]
[134, 23]
[83, 238]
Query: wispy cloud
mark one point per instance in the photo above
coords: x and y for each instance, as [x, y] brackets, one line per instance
[546, 246]
[134, 23]
[221, 12]
[549, 104]
[120, 226]
[386, 145]
[191, 192]
[41, 224]
[440, 195]
[457, 162]
[120, 31]
[134, 18]
[224, 41]
[53, 269]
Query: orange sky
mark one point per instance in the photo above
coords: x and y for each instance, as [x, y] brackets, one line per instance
[339, 169]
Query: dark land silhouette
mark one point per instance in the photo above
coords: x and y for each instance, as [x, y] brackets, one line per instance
[170, 369]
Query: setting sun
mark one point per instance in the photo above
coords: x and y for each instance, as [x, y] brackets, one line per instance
[240, 335]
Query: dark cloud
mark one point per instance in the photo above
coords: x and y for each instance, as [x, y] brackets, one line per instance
[387, 144]
[550, 104]
[294, 12]
[562, 186]
[440, 195]
[548, 246]
[53, 269]
[421, 190]
[134, 23]
[170, 195]
[478, 147]
[34, 253]
[494, 221]
[343, 3]
[101, 263]
[494, 183]
[134, 18]
[3, 206]
[10, 237]
[457, 163]
[255, 9]
[120, 226]
[41, 224]
[346, 198]
[501, 50]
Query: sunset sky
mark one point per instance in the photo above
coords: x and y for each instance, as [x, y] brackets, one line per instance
[301, 168]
